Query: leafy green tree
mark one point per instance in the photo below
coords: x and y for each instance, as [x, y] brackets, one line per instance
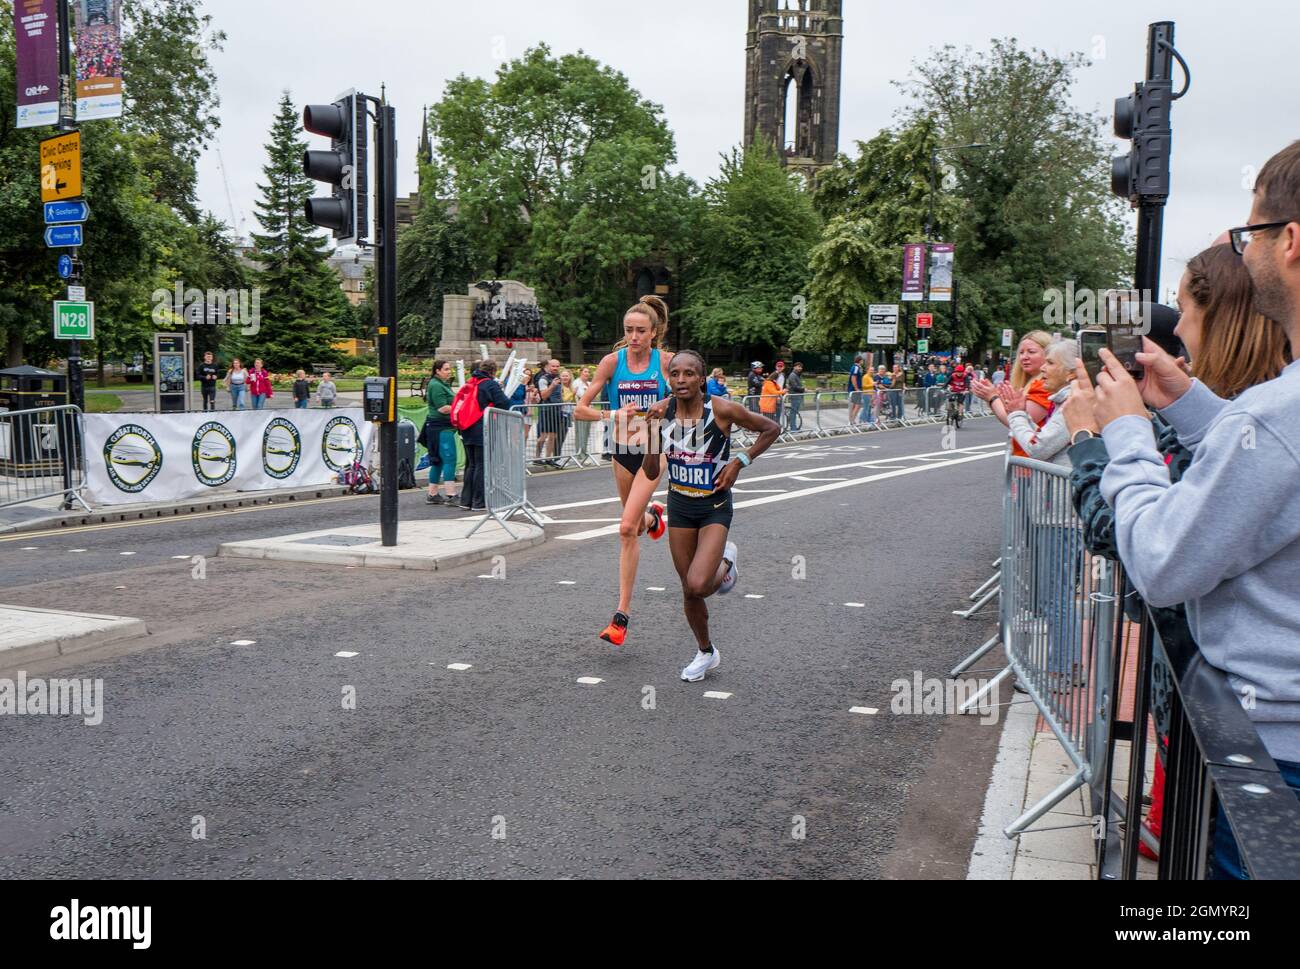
[1037, 210]
[170, 93]
[559, 165]
[433, 259]
[303, 308]
[874, 204]
[747, 286]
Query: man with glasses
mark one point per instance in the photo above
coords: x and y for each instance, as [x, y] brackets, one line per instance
[1225, 539]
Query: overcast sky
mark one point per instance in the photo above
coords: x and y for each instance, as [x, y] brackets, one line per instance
[690, 59]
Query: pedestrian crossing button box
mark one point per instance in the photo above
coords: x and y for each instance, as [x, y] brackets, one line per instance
[380, 400]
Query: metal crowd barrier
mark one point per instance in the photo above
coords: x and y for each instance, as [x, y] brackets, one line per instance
[42, 456]
[556, 439]
[1058, 621]
[505, 483]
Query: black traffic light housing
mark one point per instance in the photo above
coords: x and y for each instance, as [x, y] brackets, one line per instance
[1144, 117]
[346, 213]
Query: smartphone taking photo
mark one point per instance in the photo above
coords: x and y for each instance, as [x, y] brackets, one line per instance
[1125, 328]
[1091, 343]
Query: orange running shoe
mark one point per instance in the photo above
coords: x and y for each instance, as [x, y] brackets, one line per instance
[660, 515]
[616, 631]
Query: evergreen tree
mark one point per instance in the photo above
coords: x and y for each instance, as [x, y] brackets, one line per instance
[433, 259]
[303, 306]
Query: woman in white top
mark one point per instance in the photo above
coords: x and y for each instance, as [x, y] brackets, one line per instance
[1051, 442]
[236, 383]
[580, 386]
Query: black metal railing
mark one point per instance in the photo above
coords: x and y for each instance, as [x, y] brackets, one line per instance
[1213, 757]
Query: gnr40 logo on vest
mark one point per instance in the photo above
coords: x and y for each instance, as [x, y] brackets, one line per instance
[100, 923]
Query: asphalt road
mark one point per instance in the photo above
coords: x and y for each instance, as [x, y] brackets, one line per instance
[573, 780]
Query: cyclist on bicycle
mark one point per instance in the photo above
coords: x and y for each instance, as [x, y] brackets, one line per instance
[958, 385]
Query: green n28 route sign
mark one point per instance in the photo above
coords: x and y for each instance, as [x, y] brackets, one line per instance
[74, 321]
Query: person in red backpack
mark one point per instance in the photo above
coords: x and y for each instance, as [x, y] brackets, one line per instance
[480, 392]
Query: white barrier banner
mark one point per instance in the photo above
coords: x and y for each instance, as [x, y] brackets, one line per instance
[174, 457]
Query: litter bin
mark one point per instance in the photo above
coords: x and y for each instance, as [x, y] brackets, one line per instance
[33, 446]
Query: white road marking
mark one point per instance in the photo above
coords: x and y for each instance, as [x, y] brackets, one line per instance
[856, 605]
[759, 491]
[566, 583]
[76, 550]
[865, 711]
[755, 597]
[460, 667]
[244, 642]
[31, 548]
[125, 553]
[185, 557]
[823, 488]
[655, 588]
[800, 477]
[347, 655]
[590, 680]
[717, 696]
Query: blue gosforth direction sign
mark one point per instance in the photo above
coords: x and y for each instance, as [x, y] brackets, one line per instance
[57, 213]
[63, 236]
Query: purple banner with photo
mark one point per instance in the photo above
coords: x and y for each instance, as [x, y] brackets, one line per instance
[941, 272]
[36, 29]
[913, 273]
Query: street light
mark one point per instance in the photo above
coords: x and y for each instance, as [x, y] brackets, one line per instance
[934, 171]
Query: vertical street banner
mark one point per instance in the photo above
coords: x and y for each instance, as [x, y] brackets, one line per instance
[36, 32]
[882, 325]
[942, 257]
[99, 59]
[913, 273]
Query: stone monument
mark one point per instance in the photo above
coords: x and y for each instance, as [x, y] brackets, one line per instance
[502, 315]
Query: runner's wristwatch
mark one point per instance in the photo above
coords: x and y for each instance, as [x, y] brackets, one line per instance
[744, 459]
[1079, 436]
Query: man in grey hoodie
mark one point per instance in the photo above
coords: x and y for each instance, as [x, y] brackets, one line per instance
[1225, 539]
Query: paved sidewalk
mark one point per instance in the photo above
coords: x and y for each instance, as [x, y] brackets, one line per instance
[1059, 846]
[425, 546]
[29, 634]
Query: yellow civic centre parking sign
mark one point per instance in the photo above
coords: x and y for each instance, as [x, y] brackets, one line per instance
[61, 167]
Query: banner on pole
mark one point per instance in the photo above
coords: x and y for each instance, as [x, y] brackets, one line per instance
[913, 273]
[942, 257]
[882, 325]
[36, 33]
[173, 457]
[99, 59]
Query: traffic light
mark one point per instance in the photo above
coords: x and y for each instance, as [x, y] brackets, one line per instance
[346, 211]
[1143, 117]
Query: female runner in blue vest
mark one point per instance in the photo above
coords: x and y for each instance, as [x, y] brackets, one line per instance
[632, 378]
[694, 431]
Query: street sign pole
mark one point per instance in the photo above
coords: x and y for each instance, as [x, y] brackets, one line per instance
[386, 133]
[67, 122]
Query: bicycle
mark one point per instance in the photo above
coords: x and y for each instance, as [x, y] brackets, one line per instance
[955, 414]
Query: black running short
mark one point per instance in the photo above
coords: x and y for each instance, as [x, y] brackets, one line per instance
[698, 513]
[631, 462]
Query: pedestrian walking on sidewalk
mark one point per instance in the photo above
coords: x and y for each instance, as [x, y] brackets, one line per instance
[237, 383]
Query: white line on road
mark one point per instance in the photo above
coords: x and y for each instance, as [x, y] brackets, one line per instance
[856, 605]
[347, 655]
[125, 553]
[655, 588]
[755, 597]
[821, 489]
[566, 582]
[717, 696]
[244, 642]
[459, 667]
[864, 711]
[590, 680]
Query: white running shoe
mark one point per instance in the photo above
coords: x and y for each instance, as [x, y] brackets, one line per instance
[704, 664]
[729, 583]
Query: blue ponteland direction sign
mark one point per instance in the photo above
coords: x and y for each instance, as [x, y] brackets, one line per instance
[58, 213]
[65, 267]
[63, 236]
